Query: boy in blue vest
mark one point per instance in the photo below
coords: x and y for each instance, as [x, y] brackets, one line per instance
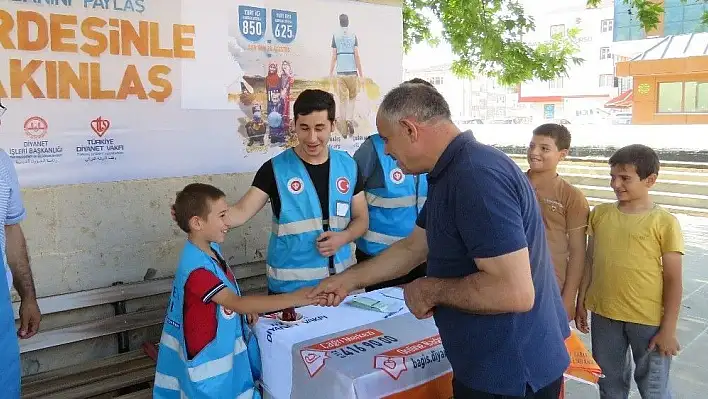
[207, 349]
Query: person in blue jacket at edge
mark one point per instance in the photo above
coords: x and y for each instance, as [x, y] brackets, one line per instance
[394, 199]
[228, 365]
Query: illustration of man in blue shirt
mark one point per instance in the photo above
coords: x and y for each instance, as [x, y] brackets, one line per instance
[345, 57]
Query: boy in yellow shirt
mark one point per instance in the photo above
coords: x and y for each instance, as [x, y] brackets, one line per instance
[633, 280]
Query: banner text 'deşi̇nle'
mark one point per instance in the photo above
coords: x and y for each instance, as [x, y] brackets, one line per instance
[96, 37]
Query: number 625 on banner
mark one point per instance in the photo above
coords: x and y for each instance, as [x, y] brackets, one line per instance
[284, 25]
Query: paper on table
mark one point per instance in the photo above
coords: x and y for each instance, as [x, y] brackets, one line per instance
[366, 303]
[378, 301]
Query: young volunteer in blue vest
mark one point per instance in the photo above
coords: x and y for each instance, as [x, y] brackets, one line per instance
[317, 198]
[394, 200]
[206, 302]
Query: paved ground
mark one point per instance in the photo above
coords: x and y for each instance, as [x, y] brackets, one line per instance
[690, 369]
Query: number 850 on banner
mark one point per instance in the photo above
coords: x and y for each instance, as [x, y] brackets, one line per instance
[252, 22]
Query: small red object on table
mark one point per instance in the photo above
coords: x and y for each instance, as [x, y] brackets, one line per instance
[289, 314]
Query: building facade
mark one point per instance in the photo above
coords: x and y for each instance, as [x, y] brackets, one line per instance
[679, 18]
[668, 66]
[480, 98]
[588, 86]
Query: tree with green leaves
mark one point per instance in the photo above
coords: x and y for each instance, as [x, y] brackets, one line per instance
[487, 36]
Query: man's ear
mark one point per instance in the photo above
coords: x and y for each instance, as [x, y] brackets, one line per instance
[409, 129]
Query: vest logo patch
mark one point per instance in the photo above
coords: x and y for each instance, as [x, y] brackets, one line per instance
[397, 176]
[343, 185]
[172, 322]
[296, 185]
[227, 313]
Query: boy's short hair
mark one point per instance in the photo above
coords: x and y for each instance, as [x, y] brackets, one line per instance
[312, 100]
[559, 134]
[194, 200]
[419, 81]
[644, 159]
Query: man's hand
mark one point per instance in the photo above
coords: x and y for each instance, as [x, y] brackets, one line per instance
[252, 319]
[665, 343]
[333, 290]
[30, 317]
[581, 319]
[419, 296]
[329, 242]
[18, 261]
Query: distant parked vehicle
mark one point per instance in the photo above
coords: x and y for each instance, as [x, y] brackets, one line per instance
[502, 121]
[622, 118]
[472, 121]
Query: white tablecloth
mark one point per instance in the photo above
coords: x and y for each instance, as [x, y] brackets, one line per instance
[337, 360]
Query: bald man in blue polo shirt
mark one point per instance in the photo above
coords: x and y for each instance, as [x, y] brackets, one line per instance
[491, 285]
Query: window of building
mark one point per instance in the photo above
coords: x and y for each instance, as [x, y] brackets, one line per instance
[436, 80]
[626, 25]
[606, 25]
[695, 97]
[557, 29]
[556, 84]
[605, 53]
[683, 18]
[625, 83]
[607, 80]
[670, 96]
[685, 97]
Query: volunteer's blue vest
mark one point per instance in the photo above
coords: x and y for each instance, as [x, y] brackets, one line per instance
[394, 208]
[227, 367]
[345, 43]
[293, 259]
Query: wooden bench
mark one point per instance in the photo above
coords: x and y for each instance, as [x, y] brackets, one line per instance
[115, 373]
[93, 378]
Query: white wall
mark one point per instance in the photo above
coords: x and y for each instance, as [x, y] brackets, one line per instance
[452, 87]
[583, 80]
[684, 137]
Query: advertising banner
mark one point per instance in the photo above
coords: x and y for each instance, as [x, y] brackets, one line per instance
[110, 90]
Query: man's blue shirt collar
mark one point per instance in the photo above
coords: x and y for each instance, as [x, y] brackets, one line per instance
[449, 154]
